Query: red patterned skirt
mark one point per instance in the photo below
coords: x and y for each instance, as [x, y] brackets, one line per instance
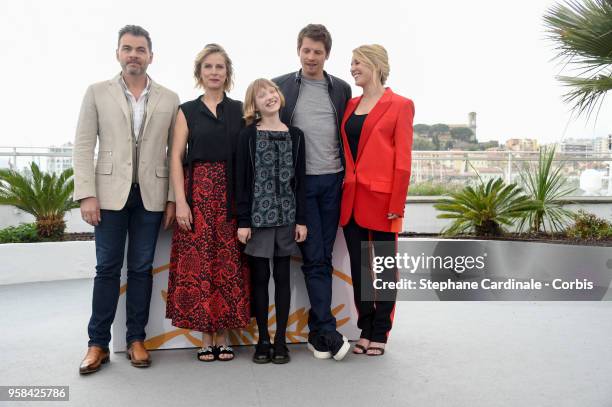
[208, 284]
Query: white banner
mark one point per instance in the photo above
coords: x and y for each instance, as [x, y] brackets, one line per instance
[162, 335]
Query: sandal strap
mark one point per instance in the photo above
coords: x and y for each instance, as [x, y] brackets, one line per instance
[225, 349]
[376, 348]
[205, 350]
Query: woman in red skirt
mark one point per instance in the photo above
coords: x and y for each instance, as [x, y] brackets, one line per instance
[208, 284]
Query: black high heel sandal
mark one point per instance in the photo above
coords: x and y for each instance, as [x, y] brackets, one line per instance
[362, 348]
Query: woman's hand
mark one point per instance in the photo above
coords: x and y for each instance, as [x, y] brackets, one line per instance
[183, 216]
[300, 233]
[392, 216]
[244, 235]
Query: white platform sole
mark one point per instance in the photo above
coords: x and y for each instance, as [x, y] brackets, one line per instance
[346, 346]
[317, 354]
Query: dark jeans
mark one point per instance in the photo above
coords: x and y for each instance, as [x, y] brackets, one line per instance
[142, 227]
[374, 317]
[323, 193]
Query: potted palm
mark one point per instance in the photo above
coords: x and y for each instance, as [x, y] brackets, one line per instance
[485, 210]
[46, 196]
[482, 219]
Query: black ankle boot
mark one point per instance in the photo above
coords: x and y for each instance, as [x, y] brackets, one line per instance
[262, 352]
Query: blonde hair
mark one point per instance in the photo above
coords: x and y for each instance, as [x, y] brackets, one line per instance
[375, 57]
[251, 114]
[210, 49]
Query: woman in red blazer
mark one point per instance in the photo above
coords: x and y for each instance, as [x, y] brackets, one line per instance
[377, 135]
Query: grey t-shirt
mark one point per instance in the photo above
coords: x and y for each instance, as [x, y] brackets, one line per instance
[315, 116]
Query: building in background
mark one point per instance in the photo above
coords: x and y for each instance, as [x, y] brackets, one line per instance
[522, 144]
[577, 146]
[62, 161]
[471, 124]
[602, 144]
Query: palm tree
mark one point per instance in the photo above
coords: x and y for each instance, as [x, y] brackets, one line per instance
[45, 196]
[582, 32]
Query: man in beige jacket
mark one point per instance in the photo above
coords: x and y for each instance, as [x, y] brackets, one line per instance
[125, 192]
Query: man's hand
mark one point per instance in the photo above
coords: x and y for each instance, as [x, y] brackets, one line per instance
[169, 214]
[300, 233]
[90, 210]
[244, 235]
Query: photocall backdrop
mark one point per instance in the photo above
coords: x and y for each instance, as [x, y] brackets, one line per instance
[162, 335]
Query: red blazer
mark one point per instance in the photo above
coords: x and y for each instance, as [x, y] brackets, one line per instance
[376, 181]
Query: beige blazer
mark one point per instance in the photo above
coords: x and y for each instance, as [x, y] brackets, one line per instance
[105, 119]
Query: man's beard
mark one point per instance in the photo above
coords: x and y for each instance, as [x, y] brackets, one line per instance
[134, 69]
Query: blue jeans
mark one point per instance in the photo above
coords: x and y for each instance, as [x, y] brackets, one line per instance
[142, 227]
[323, 193]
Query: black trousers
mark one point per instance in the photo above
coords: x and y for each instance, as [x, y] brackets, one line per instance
[375, 318]
[260, 276]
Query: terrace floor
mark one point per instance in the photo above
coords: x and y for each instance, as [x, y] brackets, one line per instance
[439, 354]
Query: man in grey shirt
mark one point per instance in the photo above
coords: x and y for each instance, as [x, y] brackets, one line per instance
[322, 144]
[315, 102]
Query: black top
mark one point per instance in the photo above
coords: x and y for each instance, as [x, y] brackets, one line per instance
[207, 136]
[245, 177]
[353, 127]
[213, 139]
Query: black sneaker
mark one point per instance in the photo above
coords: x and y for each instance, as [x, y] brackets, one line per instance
[262, 353]
[337, 344]
[318, 346]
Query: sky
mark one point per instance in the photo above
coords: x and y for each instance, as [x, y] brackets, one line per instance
[449, 57]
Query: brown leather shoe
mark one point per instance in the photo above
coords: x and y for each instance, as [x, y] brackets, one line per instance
[138, 355]
[94, 359]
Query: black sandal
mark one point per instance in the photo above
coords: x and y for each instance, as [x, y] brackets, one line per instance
[204, 352]
[376, 348]
[362, 348]
[225, 350]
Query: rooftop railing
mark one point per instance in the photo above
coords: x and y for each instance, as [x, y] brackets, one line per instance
[433, 172]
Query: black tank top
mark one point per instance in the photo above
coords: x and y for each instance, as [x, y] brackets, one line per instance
[353, 128]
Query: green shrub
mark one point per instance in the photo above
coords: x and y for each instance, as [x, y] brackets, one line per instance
[429, 188]
[24, 233]
[588, 226]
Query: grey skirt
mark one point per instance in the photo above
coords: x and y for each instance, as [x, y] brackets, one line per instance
[269, 242]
